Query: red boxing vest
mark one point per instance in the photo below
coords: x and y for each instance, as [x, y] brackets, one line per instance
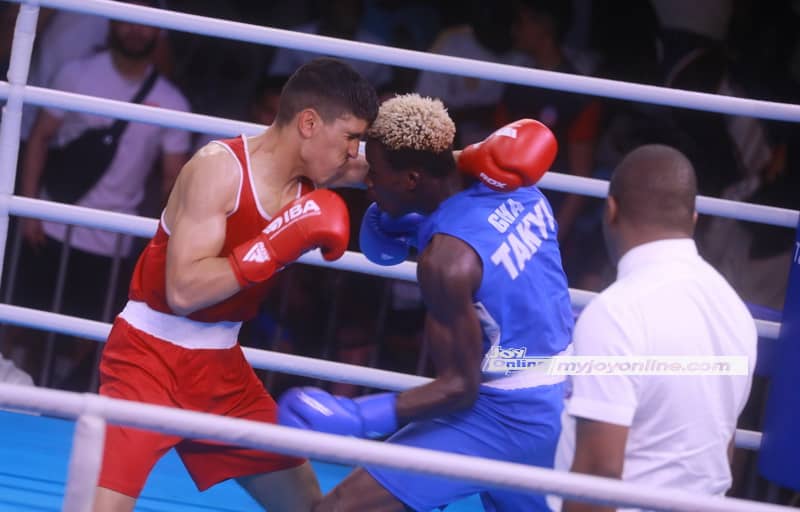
[149, 284]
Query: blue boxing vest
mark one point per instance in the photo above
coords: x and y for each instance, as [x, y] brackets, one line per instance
[523, 301]
[780, 447]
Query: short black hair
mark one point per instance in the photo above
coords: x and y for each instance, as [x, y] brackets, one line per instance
[332, 88]
[655, 185]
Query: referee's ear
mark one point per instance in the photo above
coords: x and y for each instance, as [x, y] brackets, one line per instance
[611, 228]
[611, 212]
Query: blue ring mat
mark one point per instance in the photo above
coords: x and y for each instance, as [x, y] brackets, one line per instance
[34, 454]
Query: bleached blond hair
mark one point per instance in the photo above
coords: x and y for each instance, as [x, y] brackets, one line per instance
[409, 121]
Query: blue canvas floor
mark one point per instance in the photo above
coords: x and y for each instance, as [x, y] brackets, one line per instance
[34, 453]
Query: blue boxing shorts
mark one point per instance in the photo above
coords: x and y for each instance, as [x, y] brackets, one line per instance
[520, 425]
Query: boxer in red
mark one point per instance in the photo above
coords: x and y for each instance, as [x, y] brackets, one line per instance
[240, 210]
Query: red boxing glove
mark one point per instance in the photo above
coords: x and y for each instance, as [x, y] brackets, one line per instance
[516, 155]
[316, 220]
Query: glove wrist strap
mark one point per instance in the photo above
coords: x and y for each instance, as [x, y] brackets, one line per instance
[378, 413]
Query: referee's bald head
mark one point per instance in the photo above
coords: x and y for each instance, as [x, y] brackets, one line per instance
[655, 187]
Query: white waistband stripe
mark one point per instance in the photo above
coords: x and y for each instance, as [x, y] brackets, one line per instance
[180, 330]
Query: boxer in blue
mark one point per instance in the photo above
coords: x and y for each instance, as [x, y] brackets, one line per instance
[496, 295]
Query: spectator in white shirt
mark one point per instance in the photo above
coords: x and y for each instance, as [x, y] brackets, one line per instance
[66, 36]
[672, 431]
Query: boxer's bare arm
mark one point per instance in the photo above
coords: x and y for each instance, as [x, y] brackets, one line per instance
[171, 165]
[353, 174]
[196, 215]
[449, 274]
[599, 451]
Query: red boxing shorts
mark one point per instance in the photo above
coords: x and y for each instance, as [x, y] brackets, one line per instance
[139, 366]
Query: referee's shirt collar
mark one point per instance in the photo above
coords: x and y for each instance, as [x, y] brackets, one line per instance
[655, 252]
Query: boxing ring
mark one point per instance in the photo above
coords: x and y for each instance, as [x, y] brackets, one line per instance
[92, 411]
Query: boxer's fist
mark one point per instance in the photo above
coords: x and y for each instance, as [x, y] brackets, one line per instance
[516, 155]
[314, 409]
[319, 219]
[385, 240]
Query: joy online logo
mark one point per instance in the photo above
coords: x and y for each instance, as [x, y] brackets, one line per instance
[509, 360]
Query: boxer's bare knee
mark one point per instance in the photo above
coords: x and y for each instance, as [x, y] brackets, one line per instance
[106, 500]
[294, 489]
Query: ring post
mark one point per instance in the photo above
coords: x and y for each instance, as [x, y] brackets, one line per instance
[84, 463]
[21, 50]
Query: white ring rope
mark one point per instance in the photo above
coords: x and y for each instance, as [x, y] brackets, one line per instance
[137, 112]
[427, 61]
[229, 127]
[351, 261]
[266, 359]
[280, 439]
[708, 205]
[81, 216]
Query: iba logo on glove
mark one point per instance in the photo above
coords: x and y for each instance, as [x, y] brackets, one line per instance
[296, 212]
[258, 253]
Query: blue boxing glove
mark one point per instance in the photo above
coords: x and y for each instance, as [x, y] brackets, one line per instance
[384, 239]
[314, 409]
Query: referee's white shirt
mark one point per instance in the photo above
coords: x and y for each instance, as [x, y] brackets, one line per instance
[666, 301]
